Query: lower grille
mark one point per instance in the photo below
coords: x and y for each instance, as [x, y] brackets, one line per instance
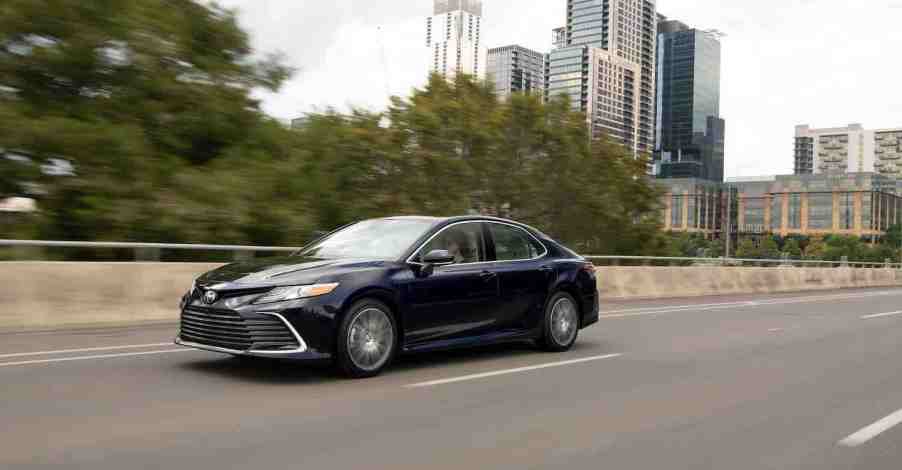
[227, 329]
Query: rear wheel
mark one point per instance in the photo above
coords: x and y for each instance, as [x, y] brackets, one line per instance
[367, 339]
[561, 324]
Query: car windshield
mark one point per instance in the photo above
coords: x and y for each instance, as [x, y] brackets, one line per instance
[380, 239]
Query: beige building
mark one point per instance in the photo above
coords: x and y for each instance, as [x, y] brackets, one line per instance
[856, 204]
[850, 149]
[615, 109]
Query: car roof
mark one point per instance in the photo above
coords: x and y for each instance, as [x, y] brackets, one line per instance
[466, 218]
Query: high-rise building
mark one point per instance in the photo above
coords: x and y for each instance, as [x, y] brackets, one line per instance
[626, 31]
[516, 69]
[851, 149]
[559, 37]
[454, 40]
[689, 140]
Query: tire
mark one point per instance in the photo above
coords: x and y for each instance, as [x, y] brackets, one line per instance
[560, 326]
[367, 339]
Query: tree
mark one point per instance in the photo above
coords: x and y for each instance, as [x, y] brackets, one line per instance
[463, 149]
[815, 250]
[132, 93]
[839, 246]
[747, 249]
[769, 248]
[792, 248]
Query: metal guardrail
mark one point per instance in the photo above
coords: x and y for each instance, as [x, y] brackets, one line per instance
[785, 262]
[150, 251]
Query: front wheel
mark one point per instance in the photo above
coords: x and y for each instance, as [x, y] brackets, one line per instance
[561, 323]
[366, 339]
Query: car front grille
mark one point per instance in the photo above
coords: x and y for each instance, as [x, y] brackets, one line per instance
[226, 329]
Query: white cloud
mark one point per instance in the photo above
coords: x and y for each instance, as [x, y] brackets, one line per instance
[785, 62]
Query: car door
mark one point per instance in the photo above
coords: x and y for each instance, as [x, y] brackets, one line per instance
[457, 300]
[524, 274]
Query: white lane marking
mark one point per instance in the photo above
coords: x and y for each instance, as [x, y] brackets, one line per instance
[669, 307]
[759, 303]
[872, 431]
[510, 371]
[100, 356]
[881, 315]
[775, 330]
[67, 351]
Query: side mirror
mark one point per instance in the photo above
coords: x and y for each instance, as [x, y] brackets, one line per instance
[438, 258]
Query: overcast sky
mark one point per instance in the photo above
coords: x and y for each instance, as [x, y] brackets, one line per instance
[785, 62]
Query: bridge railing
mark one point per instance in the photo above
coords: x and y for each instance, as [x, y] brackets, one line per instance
[153, 252]
[785, 262]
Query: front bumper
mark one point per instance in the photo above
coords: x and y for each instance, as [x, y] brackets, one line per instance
[310, 321]
[305, 355]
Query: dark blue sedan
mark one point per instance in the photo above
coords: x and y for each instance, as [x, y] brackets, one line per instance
[378, 288]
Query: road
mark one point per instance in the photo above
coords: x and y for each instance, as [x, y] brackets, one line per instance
[794, 381]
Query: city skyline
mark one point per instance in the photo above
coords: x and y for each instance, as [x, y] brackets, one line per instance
[778, 55]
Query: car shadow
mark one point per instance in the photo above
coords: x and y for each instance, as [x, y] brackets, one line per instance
[286, 372]
[263, 370]
[482, 354]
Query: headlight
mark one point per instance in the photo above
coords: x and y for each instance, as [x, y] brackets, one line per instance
[281, 294]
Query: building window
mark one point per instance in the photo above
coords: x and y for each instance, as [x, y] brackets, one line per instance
[820, 211]
[693, 211]
[795, 211]
[846, 211]
[776, 212]
[753, 215]
[867, 211]
[676, 211]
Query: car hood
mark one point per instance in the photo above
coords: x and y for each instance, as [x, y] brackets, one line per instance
[285, 270]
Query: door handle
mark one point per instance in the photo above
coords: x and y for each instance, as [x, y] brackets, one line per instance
[487, 276]
[546, 269]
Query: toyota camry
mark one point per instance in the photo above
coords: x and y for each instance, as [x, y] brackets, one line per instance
[378, 288]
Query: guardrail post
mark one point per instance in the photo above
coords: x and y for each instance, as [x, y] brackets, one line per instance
[844, 262]
[147, 254]
[785, 261]
[887, 263]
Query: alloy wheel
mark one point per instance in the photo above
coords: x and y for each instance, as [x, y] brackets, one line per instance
[564, 321]
[370, 339]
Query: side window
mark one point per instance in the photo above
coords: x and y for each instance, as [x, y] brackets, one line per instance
[513, 244]
[463, 241]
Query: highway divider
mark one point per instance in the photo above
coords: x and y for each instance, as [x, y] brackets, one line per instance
[669, 282]
[50, 295]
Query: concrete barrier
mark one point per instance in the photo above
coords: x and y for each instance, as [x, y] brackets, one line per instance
[665, 282]
[35, 296]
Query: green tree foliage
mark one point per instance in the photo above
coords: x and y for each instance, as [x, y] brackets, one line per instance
[839, 246]
[138, 95]
[792, 248]
[747, 249]
[815, 249]
[769, 249]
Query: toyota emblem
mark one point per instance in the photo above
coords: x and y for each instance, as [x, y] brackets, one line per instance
[210, 297]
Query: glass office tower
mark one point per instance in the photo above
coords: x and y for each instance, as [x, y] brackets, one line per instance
[690, 133]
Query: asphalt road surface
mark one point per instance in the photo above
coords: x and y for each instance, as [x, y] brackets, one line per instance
[795, 381]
